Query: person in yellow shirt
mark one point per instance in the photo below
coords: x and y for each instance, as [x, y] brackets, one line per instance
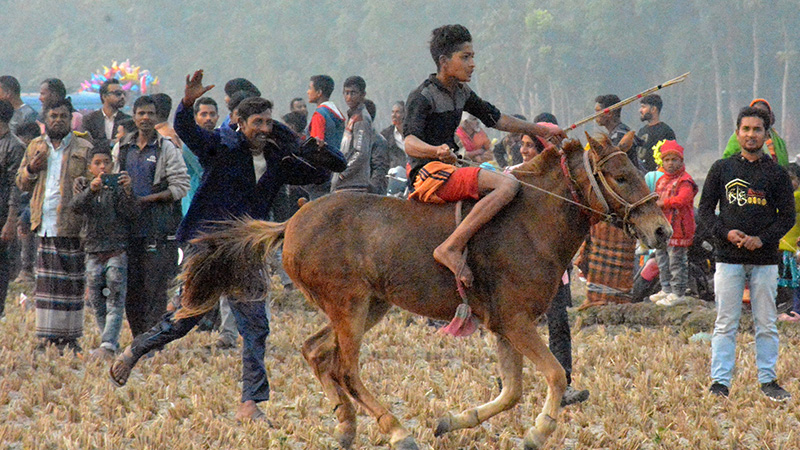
[790, 274]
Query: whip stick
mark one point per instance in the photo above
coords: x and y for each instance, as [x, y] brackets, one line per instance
[628, 100]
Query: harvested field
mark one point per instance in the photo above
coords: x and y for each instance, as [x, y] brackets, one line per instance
[648, 389]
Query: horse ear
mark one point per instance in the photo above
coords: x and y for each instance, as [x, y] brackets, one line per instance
[593, 143]
[571, 145]
[627, 141]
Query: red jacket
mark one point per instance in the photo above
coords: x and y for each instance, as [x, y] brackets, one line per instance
[677, 191]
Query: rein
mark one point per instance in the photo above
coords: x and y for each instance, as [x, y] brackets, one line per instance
[598, 170]
[591, 173]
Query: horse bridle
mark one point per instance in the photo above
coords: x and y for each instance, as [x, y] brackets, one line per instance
[593, 172]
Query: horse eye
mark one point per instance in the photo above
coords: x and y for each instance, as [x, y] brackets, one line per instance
[620, 180]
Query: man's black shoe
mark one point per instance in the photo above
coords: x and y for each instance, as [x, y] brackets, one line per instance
[775, 392]
[572, 395]
[719, 389]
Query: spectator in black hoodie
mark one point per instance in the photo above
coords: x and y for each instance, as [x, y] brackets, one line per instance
[756, 209]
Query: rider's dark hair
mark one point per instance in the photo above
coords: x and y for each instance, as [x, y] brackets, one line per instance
[446, 40]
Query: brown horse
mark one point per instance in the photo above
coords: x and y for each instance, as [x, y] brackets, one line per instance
[356, 255]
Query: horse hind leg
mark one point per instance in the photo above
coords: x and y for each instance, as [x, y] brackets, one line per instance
[510, 362]
[349, 334]
[320, 351]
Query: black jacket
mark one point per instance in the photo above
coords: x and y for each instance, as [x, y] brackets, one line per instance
[753, 197]
[11, 151]
[397, 156]
[108, 214]
[229, 187]
[94, 123]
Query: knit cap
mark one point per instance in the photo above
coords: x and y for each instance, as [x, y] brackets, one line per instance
[671, 147]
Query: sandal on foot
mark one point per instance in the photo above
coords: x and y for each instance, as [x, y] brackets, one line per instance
[124, 363]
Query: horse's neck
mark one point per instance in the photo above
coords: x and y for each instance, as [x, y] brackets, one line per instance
[550, 215]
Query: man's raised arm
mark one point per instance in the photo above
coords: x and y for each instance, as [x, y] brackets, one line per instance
[199, 140]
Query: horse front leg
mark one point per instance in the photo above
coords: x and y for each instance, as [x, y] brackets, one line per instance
[528, 341]
[510, 361]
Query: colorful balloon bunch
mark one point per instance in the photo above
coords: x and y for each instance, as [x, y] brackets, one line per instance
[133, 79]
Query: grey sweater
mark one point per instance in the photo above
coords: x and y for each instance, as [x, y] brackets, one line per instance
[357, 150]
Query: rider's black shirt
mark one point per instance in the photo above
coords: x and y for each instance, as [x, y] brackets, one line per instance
[433, 114]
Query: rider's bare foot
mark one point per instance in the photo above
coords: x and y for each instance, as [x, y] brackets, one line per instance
[453, 260]
[249, 410]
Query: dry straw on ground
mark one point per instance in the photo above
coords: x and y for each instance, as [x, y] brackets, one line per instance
[648, 391]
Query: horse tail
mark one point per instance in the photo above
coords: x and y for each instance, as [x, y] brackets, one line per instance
[228, 260]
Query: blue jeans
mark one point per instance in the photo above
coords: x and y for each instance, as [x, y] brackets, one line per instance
[107, 284]
[227, 325]
[729, 281]
[673, 269]
[253, 323]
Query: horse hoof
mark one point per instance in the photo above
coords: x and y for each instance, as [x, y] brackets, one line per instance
[445, 425]
[406, 444]
[534, 441]
[345, 435]
[537, 436]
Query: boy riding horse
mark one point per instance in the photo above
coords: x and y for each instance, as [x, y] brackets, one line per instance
[433, 113]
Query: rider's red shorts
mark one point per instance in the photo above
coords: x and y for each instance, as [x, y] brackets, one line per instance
[462, 184]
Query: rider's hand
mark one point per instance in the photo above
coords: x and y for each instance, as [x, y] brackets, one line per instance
[445, 155]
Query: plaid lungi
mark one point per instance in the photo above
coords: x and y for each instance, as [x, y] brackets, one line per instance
[611, 260]
[59, 288]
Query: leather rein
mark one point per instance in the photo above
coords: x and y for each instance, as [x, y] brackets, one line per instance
[595, 172]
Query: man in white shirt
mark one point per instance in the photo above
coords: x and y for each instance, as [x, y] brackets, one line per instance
[48, 170]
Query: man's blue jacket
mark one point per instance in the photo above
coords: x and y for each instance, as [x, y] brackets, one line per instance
[229, 187]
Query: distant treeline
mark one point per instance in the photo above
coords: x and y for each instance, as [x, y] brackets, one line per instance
[532, 56]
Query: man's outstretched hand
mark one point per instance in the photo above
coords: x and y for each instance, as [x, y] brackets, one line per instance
[194, 89]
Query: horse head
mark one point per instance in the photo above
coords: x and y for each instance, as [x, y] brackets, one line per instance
[616, 191]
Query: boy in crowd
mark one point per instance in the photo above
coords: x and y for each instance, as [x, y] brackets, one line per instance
[357, 139]
[327, 124]
[108, 206]
[676, 190]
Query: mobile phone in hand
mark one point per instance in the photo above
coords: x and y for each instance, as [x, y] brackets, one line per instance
[110, 180]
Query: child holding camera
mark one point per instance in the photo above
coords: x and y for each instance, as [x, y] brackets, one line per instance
[108, 206]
